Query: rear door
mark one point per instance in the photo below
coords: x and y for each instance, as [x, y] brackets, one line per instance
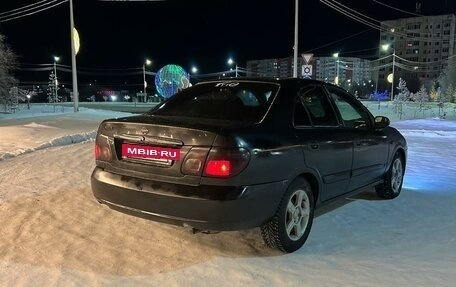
[371, 146]
[327, 149]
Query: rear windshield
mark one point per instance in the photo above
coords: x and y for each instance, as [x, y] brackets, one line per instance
[232, 101]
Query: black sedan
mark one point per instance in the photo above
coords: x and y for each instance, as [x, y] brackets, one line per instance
[243, 153]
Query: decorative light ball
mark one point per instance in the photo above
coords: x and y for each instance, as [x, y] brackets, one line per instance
[390, 78]
[77, 42]
[170, 79]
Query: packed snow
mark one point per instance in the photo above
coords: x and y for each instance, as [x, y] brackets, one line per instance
[53, 232]
[39, 128]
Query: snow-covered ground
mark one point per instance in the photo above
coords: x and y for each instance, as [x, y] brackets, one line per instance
[53, 232]
[40, 127]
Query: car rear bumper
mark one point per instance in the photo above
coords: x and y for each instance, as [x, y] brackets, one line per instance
[202, 207]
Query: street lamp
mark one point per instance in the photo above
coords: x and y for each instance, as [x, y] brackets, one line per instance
[28, 102]
[231, 62]
[74, 43]
[336, 55]
[56, 59]
[385, 47]
[148, 63]
[193, 71]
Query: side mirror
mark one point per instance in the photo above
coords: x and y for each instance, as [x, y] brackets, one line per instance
[381, 122]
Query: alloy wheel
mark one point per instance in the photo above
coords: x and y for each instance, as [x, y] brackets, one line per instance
[297, 214]
[396, 175]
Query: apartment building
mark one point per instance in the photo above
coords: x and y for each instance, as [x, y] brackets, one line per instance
[422, 45]
[349, 69]
[277, 68]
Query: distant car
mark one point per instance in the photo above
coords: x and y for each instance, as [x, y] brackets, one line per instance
[241, 153]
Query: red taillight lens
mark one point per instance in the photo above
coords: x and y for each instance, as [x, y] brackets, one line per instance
[218, 168]
[226, 162]
[97, 152]
[102, 148]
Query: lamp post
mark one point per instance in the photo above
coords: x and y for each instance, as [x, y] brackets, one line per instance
[295, 56]
[28, 102]
[73, 60]
[56, 59]
[148, 63]
[336, 80]
[385, 47]
[231, 62]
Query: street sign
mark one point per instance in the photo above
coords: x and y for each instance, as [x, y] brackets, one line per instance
[307, 71]
[307, 57]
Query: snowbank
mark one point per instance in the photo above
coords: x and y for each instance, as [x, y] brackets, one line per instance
[30, 130]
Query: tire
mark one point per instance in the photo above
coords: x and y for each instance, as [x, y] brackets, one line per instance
[296, 211]
[392, 186]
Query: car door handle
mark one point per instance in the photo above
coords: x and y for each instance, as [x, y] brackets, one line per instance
[313, 145]
[362, 143]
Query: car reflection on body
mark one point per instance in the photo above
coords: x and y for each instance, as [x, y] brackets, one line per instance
[244, 153]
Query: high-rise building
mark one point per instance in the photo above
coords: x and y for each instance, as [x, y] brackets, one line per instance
[422, 46]
[348, 69]
[351, 69]
[277, 68]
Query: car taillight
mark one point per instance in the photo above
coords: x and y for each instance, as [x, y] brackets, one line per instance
[97, 152]
[194, 161]
[218, 168]
[226, 162]
[102, 148]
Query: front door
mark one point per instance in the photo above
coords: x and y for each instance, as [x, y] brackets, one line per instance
[371, 147]
[327, 149]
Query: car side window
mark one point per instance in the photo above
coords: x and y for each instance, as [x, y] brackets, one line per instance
[352, 115]
[317, 106]
[300, 115]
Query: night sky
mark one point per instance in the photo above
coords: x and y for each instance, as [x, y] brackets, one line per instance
[118, 34]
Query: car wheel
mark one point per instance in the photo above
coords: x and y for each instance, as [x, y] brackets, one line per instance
[290, 226]
[392, 186]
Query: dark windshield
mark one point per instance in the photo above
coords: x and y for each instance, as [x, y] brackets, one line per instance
[232, 101]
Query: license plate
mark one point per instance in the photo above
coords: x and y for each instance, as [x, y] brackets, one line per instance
[149, 152]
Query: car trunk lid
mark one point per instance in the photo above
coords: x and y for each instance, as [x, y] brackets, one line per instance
[155, 149]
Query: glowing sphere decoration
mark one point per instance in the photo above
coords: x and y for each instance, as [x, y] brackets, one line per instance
[170, 79]
[77, 42]
[390, 78]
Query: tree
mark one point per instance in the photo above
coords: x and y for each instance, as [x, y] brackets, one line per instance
[7, 81]
[404, 95]
[52, 89]
[441, 98]
[450, 93]
[448, 76]
[420, 97]
[433, 93]
[404, 92]
[377, 96]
